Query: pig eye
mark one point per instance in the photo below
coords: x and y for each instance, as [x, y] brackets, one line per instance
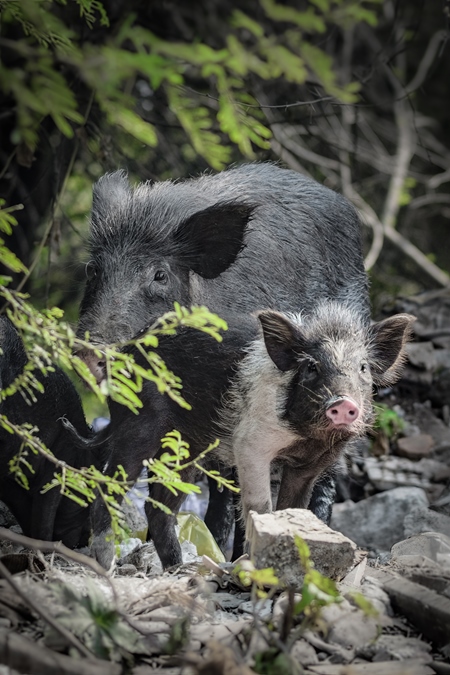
[364, 368]
[160, 276]
[312, 367]
[90, 270]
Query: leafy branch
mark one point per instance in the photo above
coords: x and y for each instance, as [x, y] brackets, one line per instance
[52, 51]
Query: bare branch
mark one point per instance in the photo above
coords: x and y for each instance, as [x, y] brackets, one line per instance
[370, 217]
[424, 200]
[288, 158]
[301, 151]
[427, 61]
[404, 154]
[440, 178]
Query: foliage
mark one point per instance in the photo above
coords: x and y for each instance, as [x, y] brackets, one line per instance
[248, 575]
[7, 257]
[387, 421]
[52, 50]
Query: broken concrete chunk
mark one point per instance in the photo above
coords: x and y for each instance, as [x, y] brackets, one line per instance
[377, 522]
[421, 355]
[423, 607]
[428, 423]
[442, 504]
[415, 447]
[432, 545]
[421, 519]
[397, 648]
[389, 472]
[409, 667]
[302, 652]
[348, 626]
[271, 537]
[372, 590]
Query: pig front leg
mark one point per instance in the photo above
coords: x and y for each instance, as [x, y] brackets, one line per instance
[296, 488]
[254, 480]
[219, 517]
[161, 525]
[323, 497]
[102, 543]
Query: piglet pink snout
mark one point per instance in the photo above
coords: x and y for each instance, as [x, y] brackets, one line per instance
[343, 411]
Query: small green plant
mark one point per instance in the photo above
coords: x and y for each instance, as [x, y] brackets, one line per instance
[317, 591]
[387, 421]
[259, 580]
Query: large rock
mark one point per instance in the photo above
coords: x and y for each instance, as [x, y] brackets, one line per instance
[377, 523]
[421, 519]
[272, 544]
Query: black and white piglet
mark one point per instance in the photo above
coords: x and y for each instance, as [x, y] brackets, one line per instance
[302, 392]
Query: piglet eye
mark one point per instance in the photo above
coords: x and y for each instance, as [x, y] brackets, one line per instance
[160, 276]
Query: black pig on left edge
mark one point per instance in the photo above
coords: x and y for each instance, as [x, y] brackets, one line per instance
[48, 516]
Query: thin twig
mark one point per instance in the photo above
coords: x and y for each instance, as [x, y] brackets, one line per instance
[427, 61]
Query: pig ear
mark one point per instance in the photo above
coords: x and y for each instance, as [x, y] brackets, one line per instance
[387, 347]
[211, 239]
[110, 193]
[280, 337]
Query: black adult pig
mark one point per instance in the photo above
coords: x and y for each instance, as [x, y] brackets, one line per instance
[208, 368]
[46, 516]
[303, 390]
[253, 237]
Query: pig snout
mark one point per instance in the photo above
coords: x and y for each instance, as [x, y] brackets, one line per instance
[343, 410]
[94, 362]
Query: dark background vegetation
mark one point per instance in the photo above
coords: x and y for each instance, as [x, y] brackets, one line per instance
[354, 94]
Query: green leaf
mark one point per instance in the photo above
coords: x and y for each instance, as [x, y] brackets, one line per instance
[132, 123]
[308, 21]
[241, 20]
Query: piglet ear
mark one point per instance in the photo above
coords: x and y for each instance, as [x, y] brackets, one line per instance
[109, 195]
[387, 352]
[210, 240]
[280, 337]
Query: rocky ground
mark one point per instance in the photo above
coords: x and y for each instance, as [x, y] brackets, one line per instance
[389, 552]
